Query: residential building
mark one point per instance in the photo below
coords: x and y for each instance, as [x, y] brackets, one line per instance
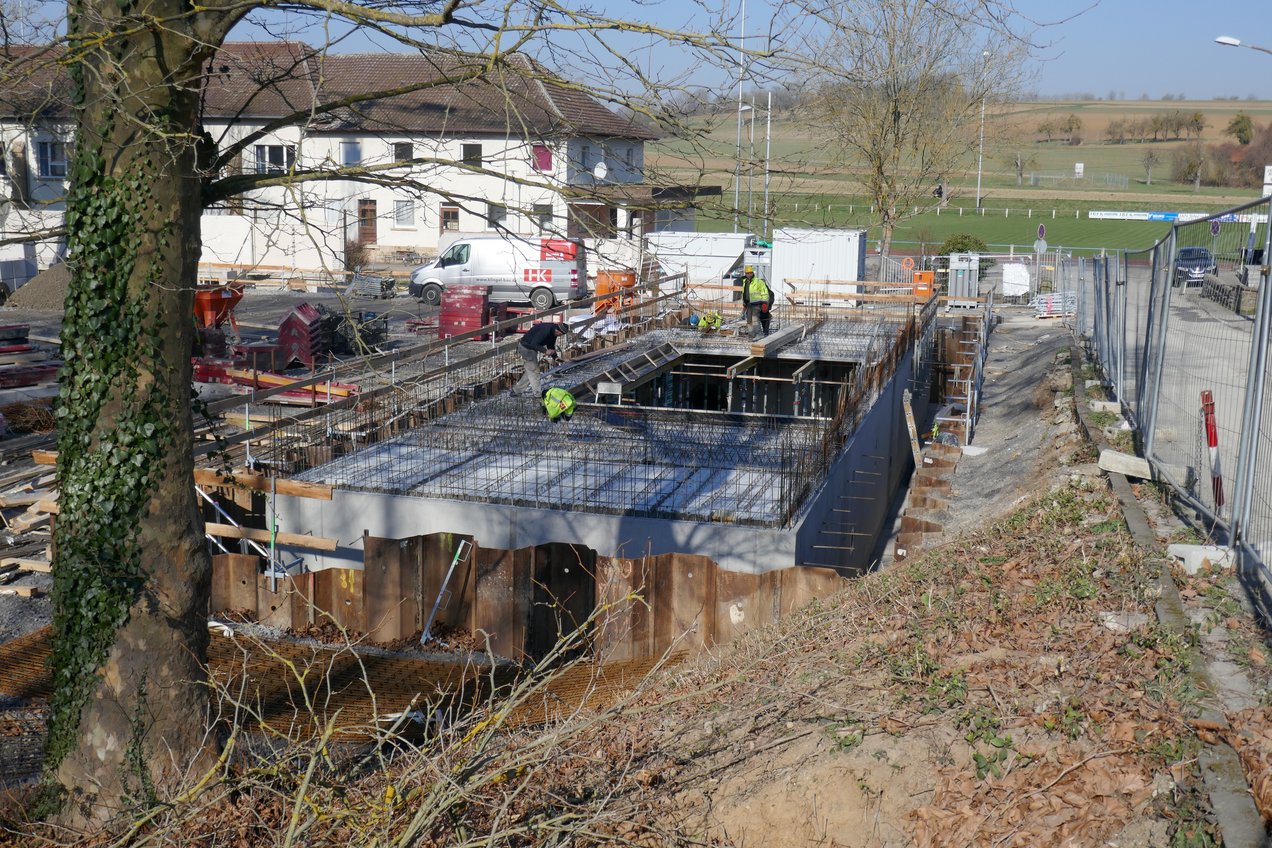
[435, 147]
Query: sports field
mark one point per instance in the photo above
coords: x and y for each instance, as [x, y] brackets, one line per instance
[808, 186]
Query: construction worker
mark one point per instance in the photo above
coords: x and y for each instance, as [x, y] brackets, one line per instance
[710, 322]
[539, 339]
[757, 297]
[558, 404]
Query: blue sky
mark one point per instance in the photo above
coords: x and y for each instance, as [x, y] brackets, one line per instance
[1126, 47]
[1101, 47]
[1154, 47]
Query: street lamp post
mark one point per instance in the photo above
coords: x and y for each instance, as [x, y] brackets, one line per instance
[750, 173]
[737, 153]
[737, 175]
[768, 138]
[980, 157]
[1229, 41]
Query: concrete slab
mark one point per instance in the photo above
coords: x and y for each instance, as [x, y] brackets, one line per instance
[1192, 558]
[1125, 463]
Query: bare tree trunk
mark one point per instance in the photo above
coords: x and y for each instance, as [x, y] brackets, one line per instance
[132, 579]
[887, 224]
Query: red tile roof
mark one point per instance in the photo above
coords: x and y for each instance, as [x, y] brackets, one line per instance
[258, 81]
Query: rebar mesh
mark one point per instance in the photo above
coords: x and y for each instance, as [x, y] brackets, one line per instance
[445, 427]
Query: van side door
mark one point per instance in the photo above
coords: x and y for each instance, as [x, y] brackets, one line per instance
[454, 267]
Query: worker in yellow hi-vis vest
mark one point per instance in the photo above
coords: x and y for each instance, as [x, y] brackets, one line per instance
[757, 297]
[558, 404]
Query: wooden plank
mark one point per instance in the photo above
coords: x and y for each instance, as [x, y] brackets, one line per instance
[21, 499]
[915, 447]
[771, 344]
[39, 566]
[261, 483]
[295, 540]
[21, 591]
[237, 479]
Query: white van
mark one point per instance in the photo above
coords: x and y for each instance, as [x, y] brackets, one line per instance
[534, 270]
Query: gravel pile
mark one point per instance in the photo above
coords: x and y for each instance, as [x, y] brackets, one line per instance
[46, 290]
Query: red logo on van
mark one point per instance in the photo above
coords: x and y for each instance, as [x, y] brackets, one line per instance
[538, 275]
[558, 250]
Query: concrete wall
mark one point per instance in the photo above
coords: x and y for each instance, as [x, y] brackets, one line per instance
[842, 522]
[348, 515]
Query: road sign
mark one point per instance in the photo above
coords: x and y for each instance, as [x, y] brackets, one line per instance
[1214, 228]
[1042, 231]
[1040, 246]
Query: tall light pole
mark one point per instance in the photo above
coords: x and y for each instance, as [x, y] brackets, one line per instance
[737, 152]
[980, 157]
[750, 173]
[768, 139]
[737, 180]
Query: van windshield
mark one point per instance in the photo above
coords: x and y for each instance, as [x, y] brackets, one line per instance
[457, 254]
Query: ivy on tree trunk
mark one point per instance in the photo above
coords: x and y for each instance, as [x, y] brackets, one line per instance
[132, 577]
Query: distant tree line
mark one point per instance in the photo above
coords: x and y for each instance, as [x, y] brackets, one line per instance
[1164, 127]
[1231, 164]
[1067, 129]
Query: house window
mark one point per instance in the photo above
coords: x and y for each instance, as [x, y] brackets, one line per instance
[449, 219]
[52, 158]
[630, 157]
[496, 216]
[541, 157]
[542, 214]
[471, 154]
[275, 158]
[350, 153]
[586, 158]
[403, 151]
[404, 213]
[593, 220]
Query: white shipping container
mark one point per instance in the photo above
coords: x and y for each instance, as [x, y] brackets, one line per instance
[808, 262]
[705, 257]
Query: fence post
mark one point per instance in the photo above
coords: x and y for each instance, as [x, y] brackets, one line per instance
[1124, 304]
[1252, 420]
[1161, 272]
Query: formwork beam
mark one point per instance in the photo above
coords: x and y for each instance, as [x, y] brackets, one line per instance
[733, 370]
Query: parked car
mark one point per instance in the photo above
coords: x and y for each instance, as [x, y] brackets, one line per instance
[538, 271]
[1193, 265]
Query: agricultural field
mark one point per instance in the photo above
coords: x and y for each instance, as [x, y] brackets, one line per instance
[808, 187]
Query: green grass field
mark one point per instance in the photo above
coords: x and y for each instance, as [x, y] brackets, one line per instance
[808, 187]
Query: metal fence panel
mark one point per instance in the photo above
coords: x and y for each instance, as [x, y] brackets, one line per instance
[1181, 331]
